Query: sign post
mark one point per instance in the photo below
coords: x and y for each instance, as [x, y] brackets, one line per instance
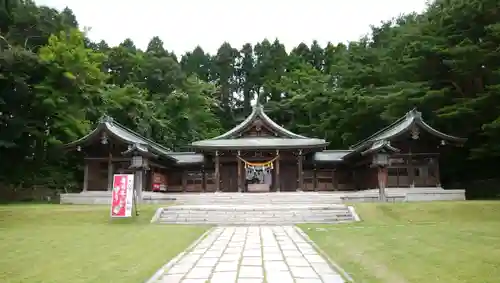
[122, 195]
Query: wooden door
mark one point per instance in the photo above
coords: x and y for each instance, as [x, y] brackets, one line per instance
[229, 177]
[288, 178]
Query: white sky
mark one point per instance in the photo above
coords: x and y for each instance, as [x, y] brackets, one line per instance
[183, 24]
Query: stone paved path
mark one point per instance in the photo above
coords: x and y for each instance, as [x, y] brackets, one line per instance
[251, 255]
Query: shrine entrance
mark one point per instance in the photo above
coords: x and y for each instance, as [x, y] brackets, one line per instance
[258, 176]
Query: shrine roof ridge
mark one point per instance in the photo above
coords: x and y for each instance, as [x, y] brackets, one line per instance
[258, 112]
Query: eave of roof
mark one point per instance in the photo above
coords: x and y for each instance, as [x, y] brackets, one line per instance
[141, 149]
[125, 135]
[401, 126]
[330, 155]
[380, 146]
[260, 143]
[185, 158]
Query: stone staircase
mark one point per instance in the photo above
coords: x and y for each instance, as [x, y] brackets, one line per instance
[283, 198]
[270, 214]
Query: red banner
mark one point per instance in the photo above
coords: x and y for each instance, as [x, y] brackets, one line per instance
[156, 187]
[159, 182]
[122, 195]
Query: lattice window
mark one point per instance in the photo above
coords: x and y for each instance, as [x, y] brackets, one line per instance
[194, 177]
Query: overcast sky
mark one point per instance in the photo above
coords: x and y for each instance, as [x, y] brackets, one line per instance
[183, 24]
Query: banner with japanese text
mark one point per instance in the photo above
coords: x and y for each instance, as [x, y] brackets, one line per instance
[122, 195]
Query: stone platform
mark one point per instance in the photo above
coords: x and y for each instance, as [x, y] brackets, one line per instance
[270, 214]
[405, 195]
[393, 195]
[104, 197]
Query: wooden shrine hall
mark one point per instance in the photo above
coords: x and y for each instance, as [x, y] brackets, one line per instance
[258, 155]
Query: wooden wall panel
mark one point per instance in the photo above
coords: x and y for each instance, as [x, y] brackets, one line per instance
[325, 179]
[308, 180]
[97, 175]
[210, 180]
[288, 178]
[229, 177]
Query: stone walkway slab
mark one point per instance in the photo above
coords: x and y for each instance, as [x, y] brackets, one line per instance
[263, 254]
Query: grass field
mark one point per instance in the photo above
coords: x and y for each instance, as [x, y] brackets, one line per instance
[447, 242]
[58, 243]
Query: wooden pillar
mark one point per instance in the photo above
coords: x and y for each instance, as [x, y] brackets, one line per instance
[146, 180]
[382, 182]
[110, 172]
[184, 181]
[239, 171]
[300, 170]
[278, 176]
[315, 181]
[411, 171]
[217, 172]
[437, 173]
[138, 184]
[335, 180]
[86, 176]
[203, 179]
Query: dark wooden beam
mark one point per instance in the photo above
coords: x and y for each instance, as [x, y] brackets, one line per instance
[300, 170]
[217, 171]
[278, 176]
[107, 158]
[239, 171]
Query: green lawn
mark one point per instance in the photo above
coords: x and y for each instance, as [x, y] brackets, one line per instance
[61, 243]
[447, 242]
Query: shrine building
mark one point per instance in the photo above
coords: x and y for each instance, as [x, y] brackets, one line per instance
[258, 155]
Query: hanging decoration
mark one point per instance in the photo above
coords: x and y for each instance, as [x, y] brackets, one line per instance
[258, 170]
[261, 164]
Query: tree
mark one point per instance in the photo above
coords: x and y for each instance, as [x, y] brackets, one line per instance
[55, 83]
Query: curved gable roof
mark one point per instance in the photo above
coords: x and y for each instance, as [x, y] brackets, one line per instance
[125, 135]
[402, 125]
[258, 112]
[284, 138]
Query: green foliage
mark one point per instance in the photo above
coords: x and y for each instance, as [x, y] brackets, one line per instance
[55, 83]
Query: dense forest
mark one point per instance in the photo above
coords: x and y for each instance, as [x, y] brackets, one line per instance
[55, 83]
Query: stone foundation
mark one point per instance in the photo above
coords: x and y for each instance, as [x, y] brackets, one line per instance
[406, 195]
[104, 197]
[393, 195]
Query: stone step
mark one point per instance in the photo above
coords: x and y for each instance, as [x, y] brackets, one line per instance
[254, 207]
[254, 219]
[255, 215]
[254, 222]
[260, 198]
[253, 202]
[262, 215]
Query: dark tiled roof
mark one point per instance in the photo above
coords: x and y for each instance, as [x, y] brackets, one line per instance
[401, 126]
[188, 157]
[382, 145]
[256, 143]
[109, 126]
[330, 155]
[284, 139]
